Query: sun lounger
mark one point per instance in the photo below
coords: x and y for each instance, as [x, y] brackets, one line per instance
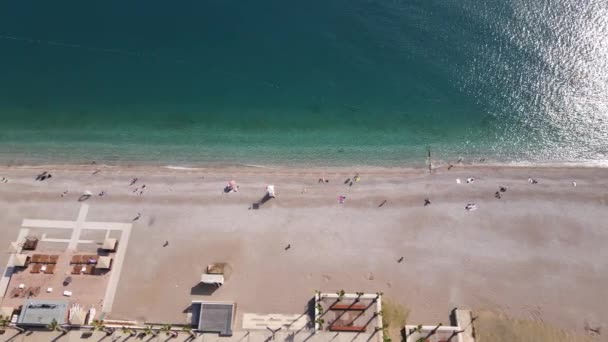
[76, 269]
[53, 259]
[89, 269]
[36, 258]
[35, 268]
[44, 258]
[79, 259]
[50, 269]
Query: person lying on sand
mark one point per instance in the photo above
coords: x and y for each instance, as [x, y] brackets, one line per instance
[39, 176]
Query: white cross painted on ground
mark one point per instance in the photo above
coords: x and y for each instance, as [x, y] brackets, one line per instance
[77, 227]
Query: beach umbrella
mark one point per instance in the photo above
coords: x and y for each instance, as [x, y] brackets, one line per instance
[232, 184]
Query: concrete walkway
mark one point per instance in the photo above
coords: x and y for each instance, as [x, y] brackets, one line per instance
[239, 336]
[295, 322]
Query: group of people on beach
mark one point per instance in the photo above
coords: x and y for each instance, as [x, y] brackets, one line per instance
[43, 176]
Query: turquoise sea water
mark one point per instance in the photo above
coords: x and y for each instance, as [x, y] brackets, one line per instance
[315, 82]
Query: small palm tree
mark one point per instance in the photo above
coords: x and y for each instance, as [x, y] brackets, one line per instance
[167, 330]
[129, 331]
[417, 329]
[54, 326]
[320, 322]
[379, 313]
[125, 331]
[3, 323]
[148, 331]
[340, 294]
[98, 325]
[188, 329]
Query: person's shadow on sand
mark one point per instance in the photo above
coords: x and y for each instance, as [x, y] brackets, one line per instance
[257, 204]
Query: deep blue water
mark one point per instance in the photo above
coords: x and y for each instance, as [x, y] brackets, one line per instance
[323, 82]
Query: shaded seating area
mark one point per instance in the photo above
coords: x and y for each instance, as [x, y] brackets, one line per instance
[43, 263]
[84, 259]
[21, 260]
[348, 312]
[30, 243]
[109, 244]
[104, 263]
[83, 269]
[87, 264]
[44, 258]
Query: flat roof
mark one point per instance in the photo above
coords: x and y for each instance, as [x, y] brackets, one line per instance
[215, 317]
[42, 312]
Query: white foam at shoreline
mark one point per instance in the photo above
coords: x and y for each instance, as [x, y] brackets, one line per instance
[183, 168]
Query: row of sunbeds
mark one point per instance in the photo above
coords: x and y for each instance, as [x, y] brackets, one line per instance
[84, 259]
[82, 264]
[43, 268]
[44, 259]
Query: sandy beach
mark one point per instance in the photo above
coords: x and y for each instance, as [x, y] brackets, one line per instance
[539, 252]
